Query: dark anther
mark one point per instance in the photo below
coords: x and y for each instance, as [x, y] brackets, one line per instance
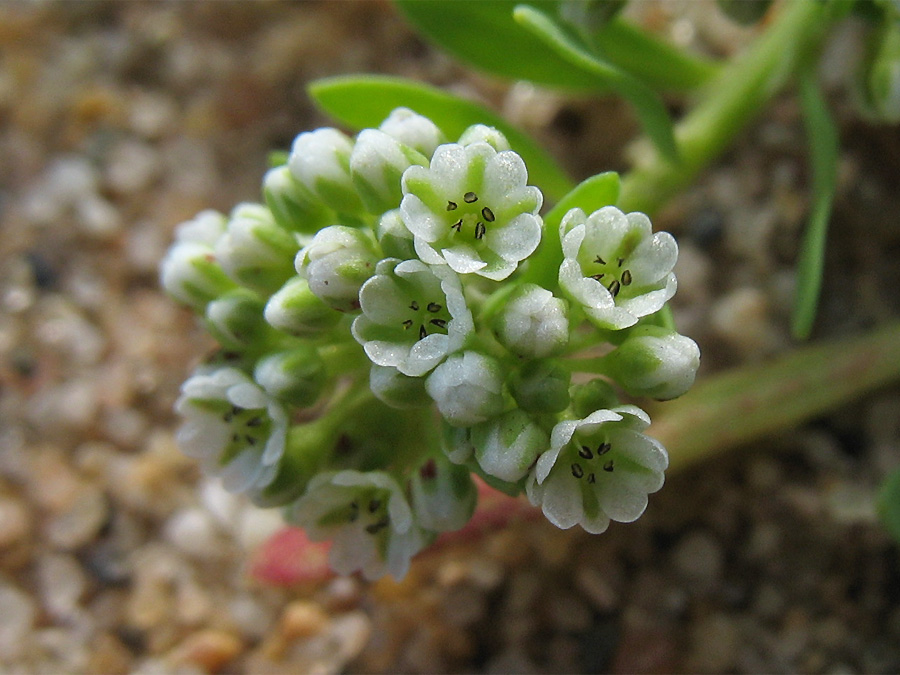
[228, 416]
[375, 528]
[414, 306]
[235, 438]
[451, 206]
[255, 422]
[470, 197]
[626, 278]
[615, 287]
[603, 448]
[440, 323]
[374, 505]
[592, 478]
[577, 471]
[480, 229]
[433, 307]
[250, 440]
[585, 452]
[487, 214]
[428, 470]
[354, 511]
[408, 324]
[608, 466]
[422, 332]
[620, 261]
[456, 225]
[599, 260]
[598, 277]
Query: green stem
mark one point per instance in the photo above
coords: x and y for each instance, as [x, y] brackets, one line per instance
[343, 358]
[730, 102]
[744, 404]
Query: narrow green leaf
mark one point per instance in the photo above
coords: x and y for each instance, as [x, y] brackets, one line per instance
[589, 195]
[649, 107]
[823, 149]
[484, 34]
[889, 504]
[361, 101]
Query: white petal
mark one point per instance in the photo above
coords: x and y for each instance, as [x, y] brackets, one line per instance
[621, 499]
[463, 259]
[517, 240]
[420, 219]
[561, 501]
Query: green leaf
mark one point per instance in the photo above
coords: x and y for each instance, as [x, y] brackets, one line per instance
[484, 34]
[649, 107]
[823, 149]
[889, 504]
[361, 101]
[589, 195]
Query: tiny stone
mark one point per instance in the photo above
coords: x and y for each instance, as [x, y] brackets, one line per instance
[62, 583]
[303, 619]
[256, 525]
[193, 532]
[81, 523]
[209, 649]
[15, 521]
[98, 217]
[714, 644]
[16, 621]
[699, 557]
[596, 588]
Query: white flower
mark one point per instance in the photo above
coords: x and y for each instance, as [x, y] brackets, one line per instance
[367, 518]
[534, 323]
[467, 388]
[443, 495]
[615, 266]
[598, 469]
[232, 427]
[412, 316]
[507, 446]
[376, 165]
[336, 263]
[256, 252]
[654, 362]
[472, 210]
[414, 130]
[190, 272]
[320, 160]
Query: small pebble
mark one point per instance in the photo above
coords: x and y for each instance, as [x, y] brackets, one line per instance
[62, 584]
[303, 619]
[15, 521]
[211, 650]
[16, 621]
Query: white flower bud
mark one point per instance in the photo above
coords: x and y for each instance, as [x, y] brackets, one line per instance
[396, 389]
[481, 133]
[236, 319]
[320, 160]
[376, 165]
[256, 252]
[190, 272]
[293, 206]
[396, 241]
[654, 362]
[467, 388]
[534, 323]
[296, 310]
[443, 495]
[297, 376]
[507, 446]
[414, 130]
[541, 386]
[336, 263]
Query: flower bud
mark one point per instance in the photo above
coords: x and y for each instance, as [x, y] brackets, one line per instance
[293, 206]
[654, 362]
[337, 262]
[376, 165]
[467, 388]
[254, 251]
[481, 133]
[507, 446]
[541, 387]
[413, 130]
[533, 323]
[320, 160]
[236, 319]
[296, 310]
[396, 241]
[296, 376]
[443, 495]
[190, 272]
[396, 389]
[591, 396]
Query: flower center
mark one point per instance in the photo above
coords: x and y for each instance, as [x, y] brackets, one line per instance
[249, 428]
[470, 216]
[590, 459]
[371, 512]
[430, 317]
[611, 275]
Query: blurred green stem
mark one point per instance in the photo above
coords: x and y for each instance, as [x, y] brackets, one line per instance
[744, 404]
[727, 105]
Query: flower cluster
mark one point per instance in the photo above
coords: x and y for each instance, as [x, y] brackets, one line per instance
[387, 335]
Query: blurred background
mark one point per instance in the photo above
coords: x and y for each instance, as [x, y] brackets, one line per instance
[121, 120]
